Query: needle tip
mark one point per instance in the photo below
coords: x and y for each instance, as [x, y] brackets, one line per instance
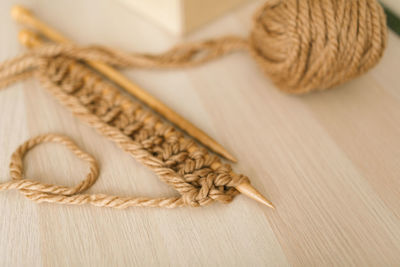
[249, 191]
[221, 150]
[230, 157]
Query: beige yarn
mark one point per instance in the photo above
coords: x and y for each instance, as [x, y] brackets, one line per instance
[40, 192]
[307, 45]
[301, 45]
[177, 161]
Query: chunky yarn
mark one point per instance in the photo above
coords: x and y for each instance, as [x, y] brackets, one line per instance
[306, 45]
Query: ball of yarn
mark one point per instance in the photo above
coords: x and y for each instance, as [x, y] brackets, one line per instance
[313, 45]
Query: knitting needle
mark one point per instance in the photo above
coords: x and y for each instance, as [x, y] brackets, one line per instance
[24, 16]
[30, 39]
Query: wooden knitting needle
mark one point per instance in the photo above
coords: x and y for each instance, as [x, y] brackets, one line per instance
[30, 39]
[25, 17]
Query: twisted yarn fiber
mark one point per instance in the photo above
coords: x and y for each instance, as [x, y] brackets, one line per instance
[306, 45]
[199, 177]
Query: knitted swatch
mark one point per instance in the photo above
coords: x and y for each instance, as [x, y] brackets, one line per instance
[198, 176]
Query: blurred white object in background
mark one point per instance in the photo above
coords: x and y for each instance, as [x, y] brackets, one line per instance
[182, 16]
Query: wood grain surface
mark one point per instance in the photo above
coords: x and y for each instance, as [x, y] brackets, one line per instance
[329, 161]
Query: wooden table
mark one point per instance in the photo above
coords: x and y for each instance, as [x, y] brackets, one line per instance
[329, 161]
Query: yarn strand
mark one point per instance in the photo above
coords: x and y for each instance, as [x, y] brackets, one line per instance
[41, 192]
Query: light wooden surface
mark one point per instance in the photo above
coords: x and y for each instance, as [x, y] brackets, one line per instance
[330, 161]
